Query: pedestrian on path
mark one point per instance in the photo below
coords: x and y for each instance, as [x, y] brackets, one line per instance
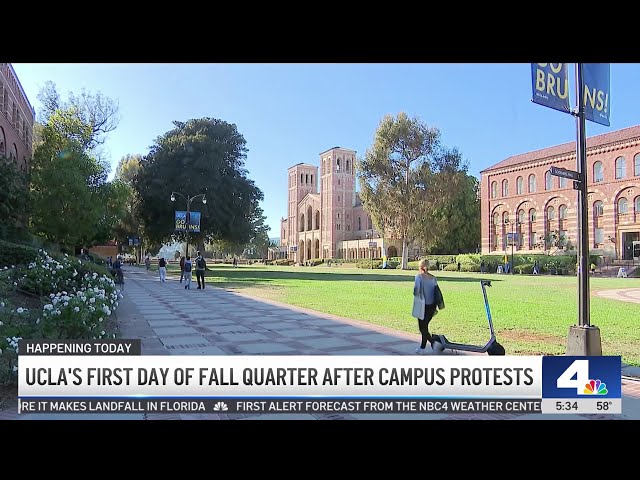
[201, 265]
[182, 261]
[147, 262]
[187, 267]
[424, 288]
[162, 268]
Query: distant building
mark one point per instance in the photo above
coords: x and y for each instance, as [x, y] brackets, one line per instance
[520, 193]
[17, 117]
[325, 217]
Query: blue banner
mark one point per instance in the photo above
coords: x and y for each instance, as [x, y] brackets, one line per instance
[181, 222]
[550, 84]
[597, 89]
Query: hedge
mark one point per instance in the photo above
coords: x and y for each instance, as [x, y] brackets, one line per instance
[14, 254]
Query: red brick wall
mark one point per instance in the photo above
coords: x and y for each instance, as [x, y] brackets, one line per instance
[609, 191]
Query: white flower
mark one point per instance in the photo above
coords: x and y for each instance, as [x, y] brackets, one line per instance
[48, 306]
[102, 332]
[100, 319]
[76, 309]
[20, 310]
[92, 300]
[37, 321]
[13, 266]
[75, 273]
[66, 304]
[2, 304]
[0, 351]
[15, 284]
[3, 324]
[15, 368]
[51, 295]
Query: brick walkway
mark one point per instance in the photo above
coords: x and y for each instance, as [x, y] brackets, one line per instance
[170, 320]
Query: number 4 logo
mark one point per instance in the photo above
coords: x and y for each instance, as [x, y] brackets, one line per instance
[579, 369]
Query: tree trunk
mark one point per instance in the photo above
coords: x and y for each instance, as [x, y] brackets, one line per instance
[405, 253]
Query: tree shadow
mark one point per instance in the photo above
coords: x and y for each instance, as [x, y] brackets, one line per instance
[245, 275]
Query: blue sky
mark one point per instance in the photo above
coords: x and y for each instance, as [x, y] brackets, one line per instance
[289, 113]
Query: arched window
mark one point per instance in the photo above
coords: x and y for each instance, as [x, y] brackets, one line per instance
[636, 165]
[317, 219]
[14, 153]
[621, 167]
[494, 189]
[532, 215]
[521, 218]
[547, 180]
[636, 205]
[532, 183]
[301, 229]
[519, 185]
[623, 206]
[598, 209]
[348, 170]
[505, 188]
[359, 224]
[312, 179]
[505, 217]
[551, 213]
[338, 167]
[563, 182]
[562, 211]
[3, 148]
[301, 178]
[598, 173]
[309, 218]
[306, 178]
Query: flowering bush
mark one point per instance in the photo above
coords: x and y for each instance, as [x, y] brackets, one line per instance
[78, 299]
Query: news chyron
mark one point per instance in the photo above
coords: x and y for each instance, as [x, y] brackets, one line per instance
[102, 377]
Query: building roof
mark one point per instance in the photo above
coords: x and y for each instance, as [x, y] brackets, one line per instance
[570, 147]
[302, 163]
[334, 148]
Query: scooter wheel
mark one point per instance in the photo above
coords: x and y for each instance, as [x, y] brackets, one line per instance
[496, 349]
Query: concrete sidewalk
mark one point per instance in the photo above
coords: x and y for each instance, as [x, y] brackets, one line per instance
[172, 320]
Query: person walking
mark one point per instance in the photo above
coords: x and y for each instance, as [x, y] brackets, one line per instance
[424, 288]
[201, 265]
[147, 262]
[162, 268]
[187, 267]
[182, 260]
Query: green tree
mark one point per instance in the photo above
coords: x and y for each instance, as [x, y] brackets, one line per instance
[405, 178]
[13, 200]
[97, 114]
[200, 156]
[462, 216]
[129, 223]
[128, 168]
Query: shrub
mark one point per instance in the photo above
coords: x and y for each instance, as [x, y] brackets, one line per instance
[451, 267]
[14, 254]
[469, 267]
[526, 268]
[368, 263]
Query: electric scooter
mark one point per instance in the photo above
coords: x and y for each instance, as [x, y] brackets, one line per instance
[492, 347]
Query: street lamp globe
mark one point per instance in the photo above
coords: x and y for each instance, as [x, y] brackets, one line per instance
[173, 197]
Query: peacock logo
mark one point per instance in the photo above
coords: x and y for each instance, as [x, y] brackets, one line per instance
[595, 387]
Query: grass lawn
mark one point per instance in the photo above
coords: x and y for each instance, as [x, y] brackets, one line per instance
[531, 314]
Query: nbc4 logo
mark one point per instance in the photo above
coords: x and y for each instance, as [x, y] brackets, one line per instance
[220, 407]
[582, 383]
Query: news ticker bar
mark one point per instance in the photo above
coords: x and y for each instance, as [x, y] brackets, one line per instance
[279, 405]
[371, 405]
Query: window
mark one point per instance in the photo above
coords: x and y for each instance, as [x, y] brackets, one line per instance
[598, 209]
[563, 212]
[338, 198]
[547, 180]
[338, 167]
[311, 179]
[563, 182]
[551, 213]
[348, 171]
[496, 219]
[636, 165]
[359, 224]
[505, 188]
[532, 215]
[598, 174]
[505, 217]
[306, 178]
[519, 185]
[636, 205]
[494, 189]
[599, 236]
[623, 206]
[521, 216]
[3, 149]
[338, 181]
[532, 183]
[301, 178]
[621, 167]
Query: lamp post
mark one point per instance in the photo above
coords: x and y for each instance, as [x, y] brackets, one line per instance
[189, 200]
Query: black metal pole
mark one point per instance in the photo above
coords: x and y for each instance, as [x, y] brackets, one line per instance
[583, 226]
[188, 221]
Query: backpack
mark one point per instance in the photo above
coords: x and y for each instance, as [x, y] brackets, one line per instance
[187, 266]
[201, 263]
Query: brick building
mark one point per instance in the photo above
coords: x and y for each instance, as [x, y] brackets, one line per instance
[325, 217]
[519, 194]
[17, 117]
